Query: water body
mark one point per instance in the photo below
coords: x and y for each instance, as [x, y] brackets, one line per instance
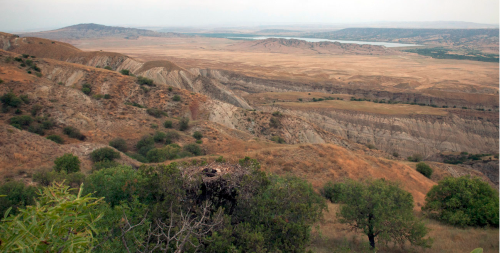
[385, 44]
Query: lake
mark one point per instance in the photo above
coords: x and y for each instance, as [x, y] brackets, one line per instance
[385, 44]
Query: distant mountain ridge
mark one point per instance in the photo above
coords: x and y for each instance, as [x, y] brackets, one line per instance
[95, 31]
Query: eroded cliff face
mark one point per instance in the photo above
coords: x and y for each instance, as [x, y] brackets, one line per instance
[406, 135]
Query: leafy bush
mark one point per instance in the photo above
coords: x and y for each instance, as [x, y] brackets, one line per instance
[274, 122]
[47, 124]
[155, 112]
[73, 133]
[424, 169]
[103, 154]
[125, 72]
[67, 163]
[158, 155]
[105, 164]
[46, 177]
[145, 144]
[10, 99]
[119, 144]
[86, 88]
[463, 201]
[17, 195]
[58, 222]
[36, 129]
[159, 136]
[145, 81]
[183, 124]
[138, 157]
[22, 121]
[167, 124]
[108, 68]
[199, 142]
[193, 149]
[395, 154]
[220, 159]
[250, 163]
[126, 183]
[56, 138]
[176, 98]
[107, 96]
[382, 211]
[197, 135]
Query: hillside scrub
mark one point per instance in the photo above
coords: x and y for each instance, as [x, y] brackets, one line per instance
[144, 81]
[157, 113]
[463, 201]
[73, 133]
[104, 154]
[56, 138]
[183, 124]
[167, 124]
[197, 135]
[119, 144]
[10, 100]
[125, 72]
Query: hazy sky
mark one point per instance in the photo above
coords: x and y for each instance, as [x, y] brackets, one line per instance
[36, 14]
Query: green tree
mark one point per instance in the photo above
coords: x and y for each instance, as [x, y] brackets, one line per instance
[10, 99]
[58, 222]
[68, 163]
[193, 149]
[463, 201]
[383, 211]
[424, 169]
[167, 124]
[145, 144]
[104, 154]
[158, 155]
[125, 72]
[176, 98]
[17, 195]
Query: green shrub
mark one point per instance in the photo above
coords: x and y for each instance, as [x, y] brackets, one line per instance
[159, 136]
[274, 122]
[145, 81]
[103, 154]
[155, 112]
[1, 81]
[250, 163]
[168, 152]
[463, 201]
[67, 163]
[278, 139]
[125, 184]
[199, 142]
[25, 99]
[86, 88]
[277, 114]
[56, 138]
[26, 55]
[105, 164]
[17, 195]
[108, 68]
[38, 74]
[97, 96]
[197, 135]
[138, 157]
[119, 144]
[22, 121]
[10, 99]
[36, 129]
[145, 144]
[107, 96]
[18, 111]
[48, 124]
[176, 98]
[73, 133]
[170, 89]
[193, 149]
[395, 154]
[46, 177]
[183, 124]
[125, 72]
[424, 169]
[167, 124]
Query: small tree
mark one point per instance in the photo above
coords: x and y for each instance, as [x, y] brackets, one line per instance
[176, 98]
[424, 169]
[10, 99]
[183, 124]
[104, 154]
[382, 211]
[56, 138]
[463, 201]
[86, 88]
[58, 222]
[68, 163]
[197, 135]
[193, 149]
[125, 72]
